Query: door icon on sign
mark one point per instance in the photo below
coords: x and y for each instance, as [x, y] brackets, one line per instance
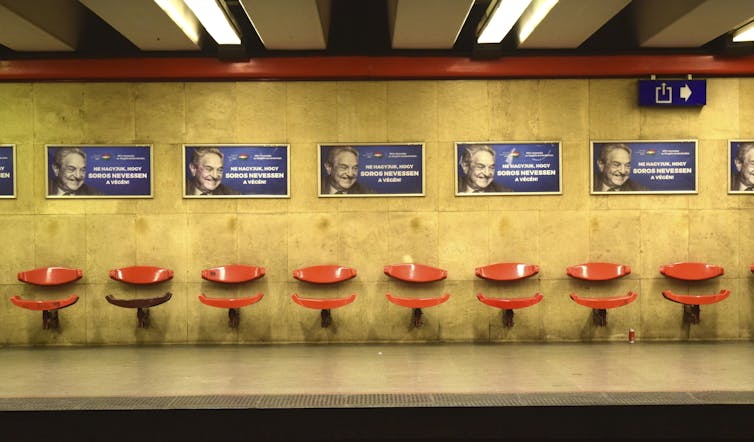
[664, 94]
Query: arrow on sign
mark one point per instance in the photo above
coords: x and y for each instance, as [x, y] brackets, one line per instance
[685, 92]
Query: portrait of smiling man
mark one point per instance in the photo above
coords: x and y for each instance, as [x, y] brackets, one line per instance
[206, 173]
[342, 172]
[614, 170]
[478, 166]
[743, 179]
[69, 173]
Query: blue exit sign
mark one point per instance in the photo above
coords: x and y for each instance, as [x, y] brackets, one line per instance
[672, 92]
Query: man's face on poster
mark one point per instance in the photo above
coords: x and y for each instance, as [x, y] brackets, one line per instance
[616, 168]
[343, 171]
[71, 172]
[480, 171]
[746, 168]
[208, 172]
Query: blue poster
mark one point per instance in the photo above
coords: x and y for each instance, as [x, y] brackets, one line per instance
[371, 170]
[99, 171]
[236, 171]
[741, 167]
[644, 166]
[492, 168]
[7, 171]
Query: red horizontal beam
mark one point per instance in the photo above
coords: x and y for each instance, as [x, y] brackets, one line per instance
[364, 68]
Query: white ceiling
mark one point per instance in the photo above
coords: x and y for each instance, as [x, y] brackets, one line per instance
[366, 27]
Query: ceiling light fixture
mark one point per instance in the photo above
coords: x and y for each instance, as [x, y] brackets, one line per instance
[744, 34]
[533, 16]
[182, 17]
[214, 20]
[500, 18]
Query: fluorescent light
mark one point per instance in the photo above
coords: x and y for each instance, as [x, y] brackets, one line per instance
[505, 14]
[213, 18]
[182, 17]
[744, 34]
[533, 17]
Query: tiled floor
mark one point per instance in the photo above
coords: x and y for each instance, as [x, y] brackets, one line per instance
[376, 375]
[377, 393]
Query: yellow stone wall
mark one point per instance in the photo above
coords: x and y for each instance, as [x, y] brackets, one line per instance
[439, 229]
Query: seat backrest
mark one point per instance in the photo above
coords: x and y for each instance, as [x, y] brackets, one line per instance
[324, 274]
[50, 275]
[691, 271]
[598, 271]
[410, 272]
[233, 274]
[141, 274]
[506, 271]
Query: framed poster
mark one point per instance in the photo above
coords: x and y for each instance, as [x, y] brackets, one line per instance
[236, 171]
[503, 168]
[7, 170]
[359, 170]
[741, 166]
[644, 166]
[99, 171]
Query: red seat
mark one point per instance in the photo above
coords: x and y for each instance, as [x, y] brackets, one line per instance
[324, 274]
[605, 302]
[508, 271]
[232, 274]
[141, 275]
[696, 299]
[418, 273]
[510, 303]
[693, 271]
[322, 303]
[48, 276]
[417, 302]
[600, 271]
[230, 302]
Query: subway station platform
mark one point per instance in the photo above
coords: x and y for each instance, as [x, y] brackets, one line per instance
[606, 391]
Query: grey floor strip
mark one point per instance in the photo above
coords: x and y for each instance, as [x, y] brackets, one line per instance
[377, 401]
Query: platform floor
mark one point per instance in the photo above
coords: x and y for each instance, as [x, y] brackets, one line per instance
[523, 380]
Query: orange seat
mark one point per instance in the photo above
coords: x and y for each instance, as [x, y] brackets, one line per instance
[693, 271]
[48, 276]
[324, 274]
[600, 271]
[140, 275]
